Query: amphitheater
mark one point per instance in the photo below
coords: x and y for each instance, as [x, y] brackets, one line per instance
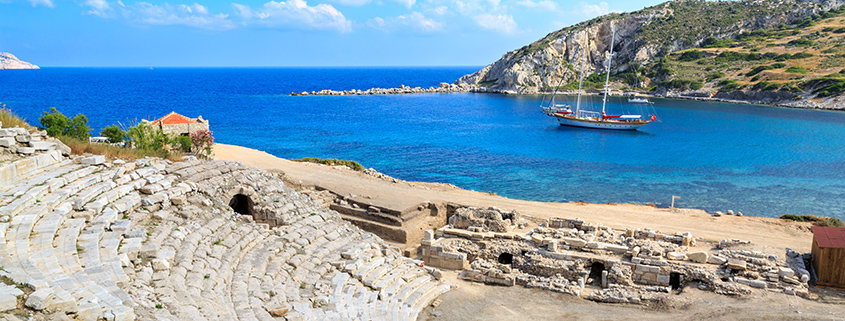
[87, 239]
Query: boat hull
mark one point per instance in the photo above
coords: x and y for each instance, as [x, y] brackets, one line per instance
[611, 125]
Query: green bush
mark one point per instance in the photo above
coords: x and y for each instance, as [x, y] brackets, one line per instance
[830, 221]
[114, 134]
[57, 124]
[796, 70]
[711, 42]
[183, 143]
[825, 86]
[715, 75]
[331, 162]
[144, 137]
[695, 85]
[691, 55]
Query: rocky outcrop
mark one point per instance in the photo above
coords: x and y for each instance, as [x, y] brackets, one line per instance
[9, 61]
[641, 37]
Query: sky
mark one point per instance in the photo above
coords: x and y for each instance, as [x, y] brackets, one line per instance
[288, 33]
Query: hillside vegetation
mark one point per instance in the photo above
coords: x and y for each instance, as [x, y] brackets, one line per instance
[784, 52]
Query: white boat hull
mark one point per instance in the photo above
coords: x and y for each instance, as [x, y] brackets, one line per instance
[599, 124]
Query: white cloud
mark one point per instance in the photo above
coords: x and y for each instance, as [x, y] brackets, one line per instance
[502, 23]
[407, 3]
[594, 10]
[351, 3]
[98, 7]
[414, 21]
[294, 14]
[46, 3]
[542, 4]
[441, 10]
[194, 15]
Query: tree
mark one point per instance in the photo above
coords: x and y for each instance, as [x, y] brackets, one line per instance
[57, 124]
[114, 134]
[202, 140]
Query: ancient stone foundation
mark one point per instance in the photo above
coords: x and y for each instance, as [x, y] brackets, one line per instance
[86, 238]
[603, 264]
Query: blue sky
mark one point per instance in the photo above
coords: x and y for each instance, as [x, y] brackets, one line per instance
[283, 33]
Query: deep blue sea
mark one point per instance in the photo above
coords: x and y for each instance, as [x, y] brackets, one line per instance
[760, 160]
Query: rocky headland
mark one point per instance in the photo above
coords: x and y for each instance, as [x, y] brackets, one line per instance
[9, 61]
[784, 53]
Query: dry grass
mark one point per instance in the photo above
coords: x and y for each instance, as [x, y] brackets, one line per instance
[10, 119]
[80, 147]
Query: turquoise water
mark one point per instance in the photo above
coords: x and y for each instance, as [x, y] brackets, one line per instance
[717, 156]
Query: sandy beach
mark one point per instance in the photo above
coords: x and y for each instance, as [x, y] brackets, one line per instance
[776, 234]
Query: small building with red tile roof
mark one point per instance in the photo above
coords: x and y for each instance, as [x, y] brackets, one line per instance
[829, 255]
[175, 124]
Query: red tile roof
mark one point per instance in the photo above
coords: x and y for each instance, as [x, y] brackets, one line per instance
[172, 119]
[829, 236]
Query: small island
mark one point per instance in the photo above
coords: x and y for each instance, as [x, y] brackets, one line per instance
[9, 61]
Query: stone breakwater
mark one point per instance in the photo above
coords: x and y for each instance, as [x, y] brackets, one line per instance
[89, 239]
[442, 88]
[595, 262]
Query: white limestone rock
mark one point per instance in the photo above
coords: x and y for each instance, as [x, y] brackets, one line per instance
[40, 299]
[93, 160]
[9, 61]
[7, 142]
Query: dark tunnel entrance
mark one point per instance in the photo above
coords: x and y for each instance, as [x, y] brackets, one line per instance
[595, 272]
[505, 258]
[675, 280]
[241, 204]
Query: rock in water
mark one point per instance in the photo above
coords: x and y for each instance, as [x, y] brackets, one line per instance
[9, 61]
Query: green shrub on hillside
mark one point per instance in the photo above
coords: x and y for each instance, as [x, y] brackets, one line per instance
[796, 70]
[825, 86]
[114, 134]
[691, 55]
[331, 162]
[57, 124]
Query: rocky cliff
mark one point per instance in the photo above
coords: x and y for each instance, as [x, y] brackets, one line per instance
[643, 38]
[9, 61]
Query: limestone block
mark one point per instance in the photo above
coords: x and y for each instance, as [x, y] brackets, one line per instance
[8, 132]
[698, 257]
[752, 283]
[26, 150]
[785, 272]
[7, 301]
[160, 265]
[93, 160]
[43, 146]
[736, 264]
[40, 299]
[121, 226]
[715, 259]
[675, 256]
[23, 138]
[663, 278]
[7, 142]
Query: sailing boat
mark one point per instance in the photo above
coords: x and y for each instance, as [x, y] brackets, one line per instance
[593, 119]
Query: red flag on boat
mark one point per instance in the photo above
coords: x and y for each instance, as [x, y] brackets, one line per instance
[653, 118]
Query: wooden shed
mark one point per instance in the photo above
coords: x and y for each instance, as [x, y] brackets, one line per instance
[829, 255]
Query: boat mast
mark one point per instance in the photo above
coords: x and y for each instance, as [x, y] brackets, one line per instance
[607, 69]
[581, 79]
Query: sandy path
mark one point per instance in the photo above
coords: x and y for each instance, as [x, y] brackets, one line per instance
[773, 233]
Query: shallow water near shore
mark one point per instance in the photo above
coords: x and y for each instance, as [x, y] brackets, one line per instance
[760, 160]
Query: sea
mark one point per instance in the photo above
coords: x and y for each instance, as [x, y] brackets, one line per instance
[759, 160]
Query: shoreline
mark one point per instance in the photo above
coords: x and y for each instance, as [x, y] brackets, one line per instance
[394, 193]
[446, 88]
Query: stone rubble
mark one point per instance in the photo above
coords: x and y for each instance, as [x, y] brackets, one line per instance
[595, 262]
[195, 240]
